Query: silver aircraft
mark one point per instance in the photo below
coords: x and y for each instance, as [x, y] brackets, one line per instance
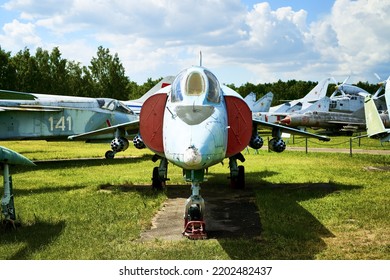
[30, 116]
[196, 123]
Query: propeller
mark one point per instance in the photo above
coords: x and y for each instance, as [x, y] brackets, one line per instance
[382, 84]
[338, 87]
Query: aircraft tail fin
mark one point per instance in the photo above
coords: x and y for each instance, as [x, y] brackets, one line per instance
[321, 105]
[163, 83]
[318, 92]
[261, 105]
[375, 127]
[136, 104]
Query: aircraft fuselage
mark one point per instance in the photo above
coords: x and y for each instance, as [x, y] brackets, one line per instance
[195, 133]
[55, 117]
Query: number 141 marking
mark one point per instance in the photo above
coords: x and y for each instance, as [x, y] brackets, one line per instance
[62, 124]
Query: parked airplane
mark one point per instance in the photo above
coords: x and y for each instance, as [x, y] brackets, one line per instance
[196, 123]
[349, 98]
[331, 121]
[334, 122]
[55, 117]
[375, 126]
[318, 92]
[263, 104]
[9, 157]
[322, 105]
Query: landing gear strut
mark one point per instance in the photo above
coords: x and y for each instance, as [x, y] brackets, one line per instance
[159, 176]
[194, 224]
[7, 202]
[237, 172]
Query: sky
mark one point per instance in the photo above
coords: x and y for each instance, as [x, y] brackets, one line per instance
[240, 40]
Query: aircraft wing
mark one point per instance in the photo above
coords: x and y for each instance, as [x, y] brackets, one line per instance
[347, 123]
[129, 127]
[290, 130]
[31, 108]
[16, 95]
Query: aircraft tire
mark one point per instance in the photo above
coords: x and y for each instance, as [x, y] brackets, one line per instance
[157, 183]
[109, 154]
[238, 182]
[241, 177]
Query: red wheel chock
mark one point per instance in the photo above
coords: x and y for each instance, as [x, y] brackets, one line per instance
[195, 230]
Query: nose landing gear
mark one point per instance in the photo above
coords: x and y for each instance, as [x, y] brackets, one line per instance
[194, 225]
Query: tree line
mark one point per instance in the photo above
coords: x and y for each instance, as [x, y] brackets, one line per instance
[50, 73]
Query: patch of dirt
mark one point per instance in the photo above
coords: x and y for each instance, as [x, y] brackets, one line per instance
[377, 168]
[228, 214]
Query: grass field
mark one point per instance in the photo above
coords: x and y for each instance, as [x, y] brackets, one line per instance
[311, 206]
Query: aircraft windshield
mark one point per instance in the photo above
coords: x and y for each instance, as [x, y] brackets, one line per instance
[176, 94]
[214, 90]
[196, 83]
[114, 105]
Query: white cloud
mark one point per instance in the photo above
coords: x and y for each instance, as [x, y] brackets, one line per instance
[19, 34]
[154, 38]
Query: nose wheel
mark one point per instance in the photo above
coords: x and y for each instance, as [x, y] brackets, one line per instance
[194, 225]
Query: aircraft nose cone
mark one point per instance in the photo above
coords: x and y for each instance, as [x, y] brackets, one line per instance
[192, 156]
[286, 120]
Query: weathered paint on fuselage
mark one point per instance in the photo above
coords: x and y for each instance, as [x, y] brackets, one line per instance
[195, 124]
[57, 117]
[200, 132]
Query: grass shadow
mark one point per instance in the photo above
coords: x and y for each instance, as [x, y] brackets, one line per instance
[33, 238]
[64, 163]
[262, 221]
[288, 230]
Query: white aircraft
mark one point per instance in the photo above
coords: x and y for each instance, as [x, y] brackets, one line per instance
[263, 104]
[375, 126]
[317, 93]
[196, 123]
[349, 98]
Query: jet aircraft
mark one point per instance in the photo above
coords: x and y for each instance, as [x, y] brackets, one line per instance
[263, 104]
[9, 157]
[196, 123]
[54, 117]
[345, 115]
[317, 93]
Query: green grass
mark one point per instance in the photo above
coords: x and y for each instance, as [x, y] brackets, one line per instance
[311, 206]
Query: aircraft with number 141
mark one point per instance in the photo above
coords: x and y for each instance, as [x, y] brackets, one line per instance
[196, 123]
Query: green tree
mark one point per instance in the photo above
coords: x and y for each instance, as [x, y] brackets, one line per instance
[108, 74]
[7, 71]
[59, 74]
[27, 74]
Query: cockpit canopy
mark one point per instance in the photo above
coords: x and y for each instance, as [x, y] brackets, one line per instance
[196, 81]
[114, 105]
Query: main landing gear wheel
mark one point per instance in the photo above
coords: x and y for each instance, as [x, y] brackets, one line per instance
[238, 182]
[157, 182]
[109, 154]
